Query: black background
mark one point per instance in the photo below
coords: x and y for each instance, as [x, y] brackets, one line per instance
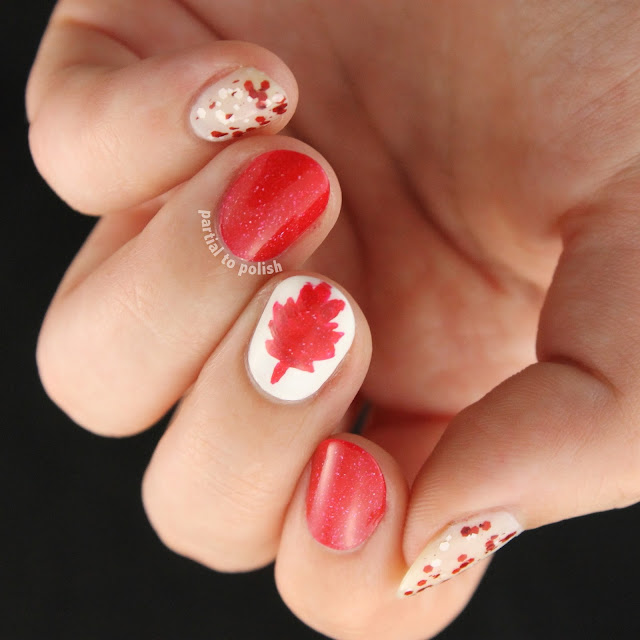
[77, 557]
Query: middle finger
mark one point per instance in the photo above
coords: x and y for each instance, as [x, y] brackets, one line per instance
[120, 347]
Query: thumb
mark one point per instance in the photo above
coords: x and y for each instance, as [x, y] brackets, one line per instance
[559, 439]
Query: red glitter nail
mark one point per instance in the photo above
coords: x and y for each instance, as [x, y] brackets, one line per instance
[273, 201]
[347, 495]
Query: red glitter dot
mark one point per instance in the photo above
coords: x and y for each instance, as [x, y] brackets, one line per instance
[427, 568]
[408, 593]
[456, 570]
[422, 582]
[259, 96]
[218, 134]
[462, 557]
[228, 116]
[280, 109]
[261, 119]
[507, 538]
[465, 531]
[486, 525]
[437, 575]
[237, 134]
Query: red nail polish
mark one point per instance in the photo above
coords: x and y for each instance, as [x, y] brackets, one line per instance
[347, 495]
[275, 199]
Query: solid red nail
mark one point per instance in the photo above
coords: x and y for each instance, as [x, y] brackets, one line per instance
[270, 205]
[347, 495]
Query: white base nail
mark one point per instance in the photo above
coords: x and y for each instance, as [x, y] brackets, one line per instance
[303, 334]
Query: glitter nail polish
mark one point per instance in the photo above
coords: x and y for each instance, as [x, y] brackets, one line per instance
[346, 499]
[272, 203]
[458, 547]
[242, 101]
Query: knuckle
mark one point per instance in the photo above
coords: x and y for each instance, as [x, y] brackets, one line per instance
[52, 370]
[76, 140]
[140, 299]
[199, 508]
[60, 361]
[246, 485]
[350, 619]
[137, 300]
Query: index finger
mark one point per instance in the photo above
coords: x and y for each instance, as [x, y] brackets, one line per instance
[112, 127]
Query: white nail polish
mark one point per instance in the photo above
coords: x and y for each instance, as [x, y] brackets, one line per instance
[303, 334]
[458, 547]
[242, 101]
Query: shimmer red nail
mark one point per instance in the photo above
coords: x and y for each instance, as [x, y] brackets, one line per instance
[346, 499]
[272, 203]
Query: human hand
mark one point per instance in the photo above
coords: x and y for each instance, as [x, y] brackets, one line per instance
[469, 159]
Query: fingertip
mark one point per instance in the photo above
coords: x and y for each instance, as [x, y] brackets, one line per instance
[341, 541]
[141, 126]
[256, 96]
[351, 592]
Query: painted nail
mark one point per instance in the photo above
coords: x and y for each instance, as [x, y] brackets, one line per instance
[271, 203]
[303, 334]
[347, 495]
[458, 547]
[242, 101]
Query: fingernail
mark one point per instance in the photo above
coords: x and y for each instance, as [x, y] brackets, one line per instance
[271, 203]
[347, 495]
[242, 101]
[303, 334]
[458, 547]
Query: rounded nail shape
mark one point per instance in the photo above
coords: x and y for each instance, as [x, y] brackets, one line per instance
[242, 101]
[272, 203]
[346, 499]
[306, 329]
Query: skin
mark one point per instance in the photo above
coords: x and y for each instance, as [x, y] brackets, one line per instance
[488, 167]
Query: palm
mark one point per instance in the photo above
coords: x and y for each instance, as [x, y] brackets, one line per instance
[459, 138]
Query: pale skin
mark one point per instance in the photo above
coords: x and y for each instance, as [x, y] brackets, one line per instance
[487, 159]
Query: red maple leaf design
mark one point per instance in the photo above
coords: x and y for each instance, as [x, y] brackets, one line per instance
[302, 331]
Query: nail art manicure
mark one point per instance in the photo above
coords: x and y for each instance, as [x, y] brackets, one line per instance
[272, 203]
[458, 547]
[242, 101]
[303, 334]
[346, 499]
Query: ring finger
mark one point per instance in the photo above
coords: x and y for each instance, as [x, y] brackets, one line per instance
[222, 475]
